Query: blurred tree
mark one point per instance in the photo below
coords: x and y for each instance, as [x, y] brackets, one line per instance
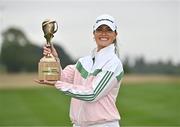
[158, 67]
[126, 65]
[140, 65]
[19, 54]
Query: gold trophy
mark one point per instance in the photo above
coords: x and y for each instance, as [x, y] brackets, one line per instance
[49, 67]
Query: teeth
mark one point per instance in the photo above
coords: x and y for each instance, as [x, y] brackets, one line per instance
[103, 39]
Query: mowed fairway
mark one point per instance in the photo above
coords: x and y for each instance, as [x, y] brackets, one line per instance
[142, 101]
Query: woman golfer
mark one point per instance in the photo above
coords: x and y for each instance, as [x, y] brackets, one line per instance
[94, 81]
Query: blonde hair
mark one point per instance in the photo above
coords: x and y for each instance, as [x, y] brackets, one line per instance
[116, 46]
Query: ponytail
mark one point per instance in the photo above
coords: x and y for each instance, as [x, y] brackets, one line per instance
[116, 47]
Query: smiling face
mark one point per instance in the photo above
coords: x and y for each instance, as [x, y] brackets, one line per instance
[104, 36]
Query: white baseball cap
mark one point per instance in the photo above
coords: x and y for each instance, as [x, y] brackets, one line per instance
[105, 19]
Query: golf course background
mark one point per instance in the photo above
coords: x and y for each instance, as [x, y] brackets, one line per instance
[143, 100]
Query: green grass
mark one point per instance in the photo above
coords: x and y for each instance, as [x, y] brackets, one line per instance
[37, 107]
[150, 104]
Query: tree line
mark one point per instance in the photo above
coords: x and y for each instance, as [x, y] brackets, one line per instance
[19, 54]
[140, 66]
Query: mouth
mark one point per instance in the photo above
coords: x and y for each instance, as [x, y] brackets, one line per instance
[103, 38]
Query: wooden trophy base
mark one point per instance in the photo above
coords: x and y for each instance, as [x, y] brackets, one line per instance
[48, 69]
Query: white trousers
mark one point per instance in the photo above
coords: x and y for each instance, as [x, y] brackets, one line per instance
[106, 124]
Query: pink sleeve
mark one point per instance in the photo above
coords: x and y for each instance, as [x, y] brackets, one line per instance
[85, 92]
[94, 89]
[67, 74]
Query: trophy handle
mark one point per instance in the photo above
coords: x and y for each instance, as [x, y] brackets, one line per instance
[56, 27]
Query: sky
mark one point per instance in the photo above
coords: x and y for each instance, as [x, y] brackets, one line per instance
[148, 28]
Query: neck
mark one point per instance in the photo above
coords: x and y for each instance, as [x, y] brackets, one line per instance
[101, 47]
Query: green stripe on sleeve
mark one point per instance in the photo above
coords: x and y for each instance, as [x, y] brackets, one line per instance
[97, 91]
[84, 73]
[96, 72]
[82, 70]
[89, 95]
[104, 84]
[101, 88]
[119, 77]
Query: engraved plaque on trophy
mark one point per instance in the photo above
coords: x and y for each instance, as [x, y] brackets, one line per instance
[49, 67]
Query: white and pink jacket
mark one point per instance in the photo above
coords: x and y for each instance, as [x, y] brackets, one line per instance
[93, 83]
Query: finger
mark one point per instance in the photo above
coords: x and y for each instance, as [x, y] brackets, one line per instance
[46, 48]
[51, 83]
[39, 81]
[47, 45]
[48, 82]
[45, 82]
[42, 81]
[46, 52]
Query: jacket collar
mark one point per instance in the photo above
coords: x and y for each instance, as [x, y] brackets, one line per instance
[103, 56]
[105, 52]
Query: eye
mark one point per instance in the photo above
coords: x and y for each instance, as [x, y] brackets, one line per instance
[99, 29]
[109, 30]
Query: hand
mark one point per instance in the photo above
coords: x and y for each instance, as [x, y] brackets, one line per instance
[49, 49]
[46, 82]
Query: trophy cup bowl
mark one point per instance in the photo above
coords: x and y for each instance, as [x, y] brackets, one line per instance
[48, 27]
[49, 67]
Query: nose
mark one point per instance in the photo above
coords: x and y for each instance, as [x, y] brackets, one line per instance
[104, 32]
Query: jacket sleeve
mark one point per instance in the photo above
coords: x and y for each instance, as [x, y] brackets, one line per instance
[67, 74]
[101, 84]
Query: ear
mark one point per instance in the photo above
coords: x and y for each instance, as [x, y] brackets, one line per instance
[116, 32]
[94, 33]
